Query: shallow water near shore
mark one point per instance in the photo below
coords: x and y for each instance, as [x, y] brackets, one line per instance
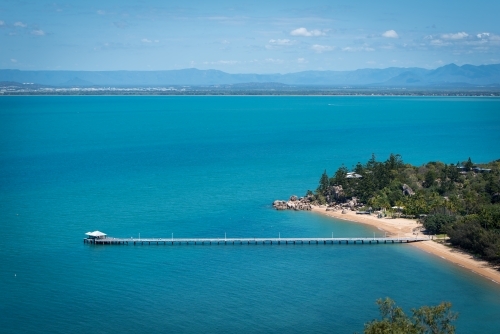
[203, 167]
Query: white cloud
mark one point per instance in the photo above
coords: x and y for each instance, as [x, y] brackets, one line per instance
[307, 33]
[38, 32]
[438, 42]
[101, 12]
[145, 40]
[274, 61]
[321, 48]
[222, 62]
[302, 61]
[483, 35]
[226, 42]
[13, 60]
[390, 34]
[2, 23]
[228, 62]
[281, 42]
[359, 48]
[385, 47]
[458, 35]
[20, 24]
[278, 43]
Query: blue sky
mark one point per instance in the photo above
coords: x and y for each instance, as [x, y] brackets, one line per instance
[246, 36]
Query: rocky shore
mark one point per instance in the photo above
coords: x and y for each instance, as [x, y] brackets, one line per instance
[294, 203]
[306, 203]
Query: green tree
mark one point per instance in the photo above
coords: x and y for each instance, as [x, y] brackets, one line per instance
[435, 319]
[468, 234]
[321, 199]
[323, 183]
[380, 201]
[395, 162]
[427, 319]
[415, 204]
[370, 165]
[468, 165]
[492, 186]
[453, 173]
[394, 320]
[430, 178]
[438, 223]
[339, 179]
[359, 168]
[489, 216]
[453, 204]
[434, 201]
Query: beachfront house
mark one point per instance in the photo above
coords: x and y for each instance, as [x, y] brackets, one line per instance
[463, 170]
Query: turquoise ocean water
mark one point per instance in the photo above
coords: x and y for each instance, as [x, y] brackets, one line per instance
[202, 167]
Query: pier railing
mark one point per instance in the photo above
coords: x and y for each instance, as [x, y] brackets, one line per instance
[248, 241]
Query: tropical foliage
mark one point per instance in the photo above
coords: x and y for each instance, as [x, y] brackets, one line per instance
[462, 199]
[427, 319]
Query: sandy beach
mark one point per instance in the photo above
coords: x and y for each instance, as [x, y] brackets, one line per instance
[407, 228]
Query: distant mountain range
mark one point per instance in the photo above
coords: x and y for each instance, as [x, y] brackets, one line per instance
[446, 76]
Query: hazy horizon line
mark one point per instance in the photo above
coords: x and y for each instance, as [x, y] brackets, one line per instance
[274, 73]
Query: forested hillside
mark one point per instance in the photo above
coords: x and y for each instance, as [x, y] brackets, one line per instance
[462, 199]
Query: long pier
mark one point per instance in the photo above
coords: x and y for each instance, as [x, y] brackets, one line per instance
[247, 241]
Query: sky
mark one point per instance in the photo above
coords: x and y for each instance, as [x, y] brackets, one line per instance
[247, 36]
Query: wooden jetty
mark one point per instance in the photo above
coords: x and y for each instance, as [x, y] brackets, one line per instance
[247, 241]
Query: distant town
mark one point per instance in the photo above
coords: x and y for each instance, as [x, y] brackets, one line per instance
[243, 89]
[448, 80]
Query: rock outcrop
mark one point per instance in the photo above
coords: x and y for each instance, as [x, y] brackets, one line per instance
[279, 205]
[294, 203]
[337, 191]
[407, 190]
[305, 203]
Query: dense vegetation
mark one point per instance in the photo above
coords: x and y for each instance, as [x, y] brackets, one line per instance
[462, 199]
[426, 319]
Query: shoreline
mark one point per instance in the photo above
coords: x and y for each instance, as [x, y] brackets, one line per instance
[405, 227]
[495, 94]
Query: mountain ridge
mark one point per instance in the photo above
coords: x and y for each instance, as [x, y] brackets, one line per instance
[450, 74]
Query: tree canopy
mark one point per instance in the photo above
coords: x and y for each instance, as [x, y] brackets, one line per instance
[426, 319]
[462, 199]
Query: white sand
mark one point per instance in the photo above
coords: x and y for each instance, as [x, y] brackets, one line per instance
[405, 228]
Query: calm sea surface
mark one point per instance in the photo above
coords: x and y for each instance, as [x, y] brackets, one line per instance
[202, 167]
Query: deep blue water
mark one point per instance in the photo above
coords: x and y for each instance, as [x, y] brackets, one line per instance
[202, 167]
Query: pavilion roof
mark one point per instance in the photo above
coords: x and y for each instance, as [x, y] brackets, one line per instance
[96, 234]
